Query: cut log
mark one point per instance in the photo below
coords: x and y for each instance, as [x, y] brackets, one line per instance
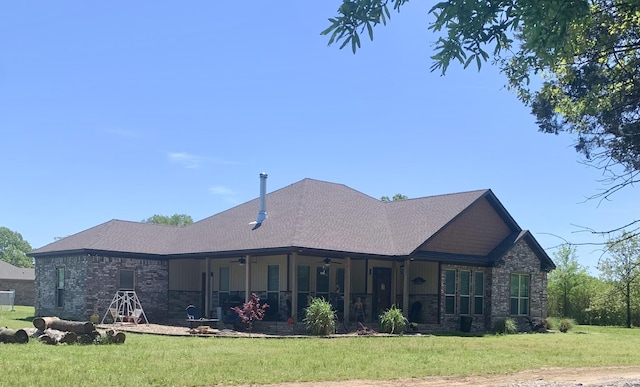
[111, 336]
[42, 323]
[33, 333]
[80, 327]
[53, 336]
[88, 338]
[13, 336]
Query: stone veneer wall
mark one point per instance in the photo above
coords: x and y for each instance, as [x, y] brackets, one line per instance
[92, 281]
[25, 290]
[520, 259]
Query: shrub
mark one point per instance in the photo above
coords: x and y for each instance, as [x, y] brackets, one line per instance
[565, 324]
[251, 311]
[320, 317]
[507, 326]
[392, 321]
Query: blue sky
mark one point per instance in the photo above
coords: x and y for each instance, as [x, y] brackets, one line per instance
[122, 110]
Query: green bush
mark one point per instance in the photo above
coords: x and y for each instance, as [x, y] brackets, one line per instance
[392, 321]
[320, 318]
[565, 324]
[507, 326]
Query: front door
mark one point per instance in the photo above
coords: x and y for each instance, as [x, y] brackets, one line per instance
[381, 291]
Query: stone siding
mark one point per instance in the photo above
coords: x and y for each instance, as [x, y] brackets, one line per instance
[92, 281]
[25, 290]
[520, 259]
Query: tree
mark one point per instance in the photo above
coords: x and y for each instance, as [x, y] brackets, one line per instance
[14, 249]
[586, 51]
[622, 268]
[567, 286]
[395, 198]
[179, 220]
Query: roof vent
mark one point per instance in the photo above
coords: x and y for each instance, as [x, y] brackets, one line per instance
[262, 213]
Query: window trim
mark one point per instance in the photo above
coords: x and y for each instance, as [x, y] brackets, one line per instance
[450, 295]
[519, 297]
[133, 279]
[478, 298]
[60, 287]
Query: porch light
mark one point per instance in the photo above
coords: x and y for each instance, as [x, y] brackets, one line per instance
[242, 261]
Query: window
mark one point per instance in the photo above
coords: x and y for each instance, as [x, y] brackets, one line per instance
[339, 280]
[465, 291]
[60, 287]
[304, 277]
[519, 294]
[223, 287]
[127, 280]
[478, 292]
[322, 282]
[273, 290]
[450, 292]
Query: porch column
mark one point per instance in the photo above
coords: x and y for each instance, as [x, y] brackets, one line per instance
[207, 289]
[247, 278]
[405, 289]
[294, 286]
[347, 288]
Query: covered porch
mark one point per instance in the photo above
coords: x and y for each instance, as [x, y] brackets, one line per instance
[288, 280]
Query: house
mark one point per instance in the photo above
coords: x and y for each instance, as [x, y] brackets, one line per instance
[20, 279]
[443, 259]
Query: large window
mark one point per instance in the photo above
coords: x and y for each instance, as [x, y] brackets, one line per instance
[478, 292]
[273, 291]
[466, 296]
[304, 285]
[127, 280]
[450, 292]
[465, 291]
[60, 287]
[223, 287]
[322, 282]
[519, 294]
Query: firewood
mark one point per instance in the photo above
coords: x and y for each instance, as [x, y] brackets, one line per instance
[34, 333]
[13, 336]
[42, 323]
[53, 336]
[111, 336]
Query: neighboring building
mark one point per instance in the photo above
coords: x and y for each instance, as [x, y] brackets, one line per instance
[20, 279]
[443, 258]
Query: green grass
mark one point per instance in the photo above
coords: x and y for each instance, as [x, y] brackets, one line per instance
[147, 360]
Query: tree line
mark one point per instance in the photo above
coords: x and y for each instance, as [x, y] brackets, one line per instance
[611, 298]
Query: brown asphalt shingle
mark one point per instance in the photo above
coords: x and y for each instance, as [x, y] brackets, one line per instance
[308, 214]
[10, 272]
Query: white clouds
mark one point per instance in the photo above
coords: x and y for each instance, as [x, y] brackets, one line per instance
[185, 159]
[194, 161]
[225, 192]
[221, 190]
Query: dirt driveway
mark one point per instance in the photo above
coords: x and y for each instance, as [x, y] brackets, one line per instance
[600, 376]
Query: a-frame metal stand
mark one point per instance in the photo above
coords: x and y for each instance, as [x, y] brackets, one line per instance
[125, 308]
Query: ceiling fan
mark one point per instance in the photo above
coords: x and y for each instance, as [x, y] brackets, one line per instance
[242, 261]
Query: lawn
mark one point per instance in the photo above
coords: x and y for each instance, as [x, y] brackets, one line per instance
[148, 360]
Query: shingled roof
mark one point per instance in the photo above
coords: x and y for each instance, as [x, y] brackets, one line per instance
[10, 272]
[309, 214]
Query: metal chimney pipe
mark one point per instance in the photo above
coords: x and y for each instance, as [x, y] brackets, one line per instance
[262, 213]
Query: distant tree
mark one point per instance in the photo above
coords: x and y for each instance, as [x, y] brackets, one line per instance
[179, 220]
[14, 249]
[395, 198]
[568, 291]
[622, 268]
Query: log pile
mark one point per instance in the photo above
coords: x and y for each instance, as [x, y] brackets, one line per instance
[53, 330]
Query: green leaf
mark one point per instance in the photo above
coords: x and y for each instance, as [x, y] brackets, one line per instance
[370, 29]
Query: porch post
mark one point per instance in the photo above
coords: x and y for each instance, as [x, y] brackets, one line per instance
[347, 289]
[405, 288]
[294, 286]
[207, 289]
[247, 278]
